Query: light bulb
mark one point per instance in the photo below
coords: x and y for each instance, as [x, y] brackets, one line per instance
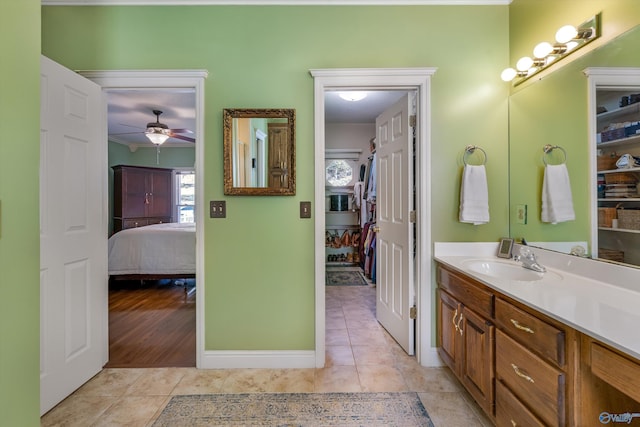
[571, 46]
[542, 49]
[566, 33]
[508, 74]
[524, 63]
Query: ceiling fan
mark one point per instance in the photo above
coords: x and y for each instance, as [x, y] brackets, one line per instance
[158, 132]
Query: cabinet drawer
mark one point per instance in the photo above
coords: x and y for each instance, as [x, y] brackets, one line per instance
[133, 223]
[466, 292]
[539, 336]
[164, 220]
[538, 384]
[510, 412]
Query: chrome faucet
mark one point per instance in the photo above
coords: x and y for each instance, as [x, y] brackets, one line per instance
[528, 259]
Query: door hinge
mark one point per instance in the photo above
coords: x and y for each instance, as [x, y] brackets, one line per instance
[412, 120]
[412, 217]
[413, 312]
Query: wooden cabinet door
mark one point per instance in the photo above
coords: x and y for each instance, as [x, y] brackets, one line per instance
[476, 368]
[134, 189]
[159, 189]
[448, 337]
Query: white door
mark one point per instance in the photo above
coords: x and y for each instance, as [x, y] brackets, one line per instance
[73, 247]
[394, 240]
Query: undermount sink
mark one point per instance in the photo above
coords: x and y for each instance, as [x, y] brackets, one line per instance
[505, 270]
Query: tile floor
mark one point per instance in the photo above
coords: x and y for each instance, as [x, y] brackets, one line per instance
[360, 357]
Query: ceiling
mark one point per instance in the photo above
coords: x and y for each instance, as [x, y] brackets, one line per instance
[129, 111]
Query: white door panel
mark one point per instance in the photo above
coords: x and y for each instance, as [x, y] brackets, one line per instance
[394, 241]
[73, 279]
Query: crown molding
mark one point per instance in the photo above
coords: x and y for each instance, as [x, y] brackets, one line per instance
[275, 2]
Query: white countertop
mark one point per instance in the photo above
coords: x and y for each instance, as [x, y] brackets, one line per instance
[599, 299]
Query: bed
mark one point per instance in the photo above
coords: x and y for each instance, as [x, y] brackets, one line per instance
[153, 252]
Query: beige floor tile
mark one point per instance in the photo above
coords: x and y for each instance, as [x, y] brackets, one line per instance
[378, 378]
[372, 355]
[337, 379]
[422, 379]
[338, 355]
[247, 381]
[157, 381]
[111, 382]
[449, 409]
[131, 411]
[336, 337]
[292, 381]
[201, 381]
[372, 337]
[77, 410]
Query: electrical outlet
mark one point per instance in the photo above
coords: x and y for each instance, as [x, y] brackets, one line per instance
[305, 209]
[521, 214]
[218, 209]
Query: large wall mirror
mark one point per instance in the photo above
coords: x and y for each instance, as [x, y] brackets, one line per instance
[259, 152]
[557, 110]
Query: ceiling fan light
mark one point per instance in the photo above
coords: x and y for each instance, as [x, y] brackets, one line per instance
[156, 135]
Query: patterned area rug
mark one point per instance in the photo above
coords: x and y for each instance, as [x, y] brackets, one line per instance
[296, 409]
[345, 278]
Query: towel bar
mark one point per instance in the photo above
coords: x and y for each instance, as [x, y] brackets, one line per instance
[469, 149]
[548, 148]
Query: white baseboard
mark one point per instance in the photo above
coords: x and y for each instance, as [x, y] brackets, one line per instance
[274, 359]
[431, 359]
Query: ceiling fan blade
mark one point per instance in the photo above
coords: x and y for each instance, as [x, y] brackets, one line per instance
[184, 138]
[130, 126]
[125, 133]
[181, 131]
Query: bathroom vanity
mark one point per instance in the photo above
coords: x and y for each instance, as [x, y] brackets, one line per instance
[560, 348]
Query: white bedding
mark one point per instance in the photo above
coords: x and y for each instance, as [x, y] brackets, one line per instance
[154, 249]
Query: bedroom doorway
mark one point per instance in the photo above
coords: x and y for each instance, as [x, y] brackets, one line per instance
[171, 307]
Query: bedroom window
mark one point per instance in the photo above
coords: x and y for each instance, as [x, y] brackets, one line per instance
[185, 195]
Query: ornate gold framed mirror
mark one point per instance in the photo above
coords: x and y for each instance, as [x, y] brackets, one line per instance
[259, 152]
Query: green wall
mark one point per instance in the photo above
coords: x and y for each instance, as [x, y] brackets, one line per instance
[19, 214]
[552, 109]
[259, 260]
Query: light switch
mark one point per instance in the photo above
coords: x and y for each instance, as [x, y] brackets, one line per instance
[305, 209]
[521, 214]
[218, 209]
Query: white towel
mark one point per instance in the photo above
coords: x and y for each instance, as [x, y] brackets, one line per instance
[474, 195]
[557, 202]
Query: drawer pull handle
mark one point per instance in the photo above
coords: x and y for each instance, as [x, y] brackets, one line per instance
[522, 328]
[458, 325]
[521, 374]
[513, 423]
[455, 314]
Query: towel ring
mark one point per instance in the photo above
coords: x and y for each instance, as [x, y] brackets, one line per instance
[469, 149]
[548, 149]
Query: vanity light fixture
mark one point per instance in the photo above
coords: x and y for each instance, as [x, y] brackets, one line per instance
[353, 96]
[568, 40]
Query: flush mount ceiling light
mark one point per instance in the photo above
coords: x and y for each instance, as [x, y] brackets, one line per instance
[568, 40]
[352, 96]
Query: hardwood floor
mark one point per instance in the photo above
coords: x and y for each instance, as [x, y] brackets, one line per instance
[152, 324]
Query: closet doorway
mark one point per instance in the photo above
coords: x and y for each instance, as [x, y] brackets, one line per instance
[377, 81]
